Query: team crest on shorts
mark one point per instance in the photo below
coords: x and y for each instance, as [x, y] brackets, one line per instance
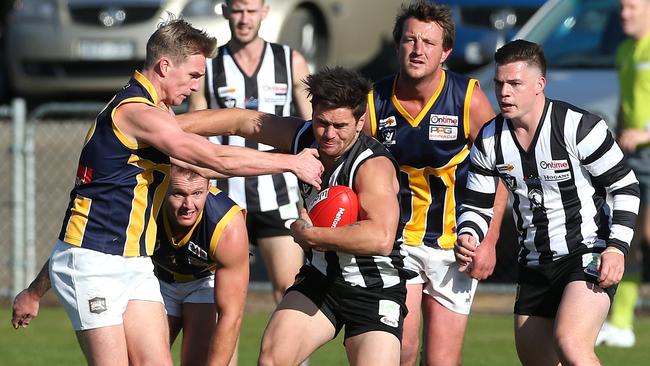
[97, 305]
[389, 312]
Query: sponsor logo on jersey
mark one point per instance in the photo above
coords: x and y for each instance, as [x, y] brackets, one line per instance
[251, 103]
[389, 121]
[279, 88]
[197, 250]
[312, 201]
[505, 168]
[509, 181]
[275, 99]
[536, 199]
[228, 102]
[557, 177]
[97, 305]
[443, 120]
[554, 165]
[224, 91]
[442, 133]
[84, 175]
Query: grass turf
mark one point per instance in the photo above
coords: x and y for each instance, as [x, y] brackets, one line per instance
[489, 341]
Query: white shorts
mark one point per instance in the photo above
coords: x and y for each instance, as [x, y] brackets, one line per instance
[95, 287]
[176, 294]
[438, 271]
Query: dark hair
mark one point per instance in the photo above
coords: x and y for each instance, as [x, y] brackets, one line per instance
[177, 39]
[427, 12]
[337, 87]
[521, 50]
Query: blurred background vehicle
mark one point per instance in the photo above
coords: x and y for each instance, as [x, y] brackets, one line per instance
[92, 46]
[482, 26]
[580, 38]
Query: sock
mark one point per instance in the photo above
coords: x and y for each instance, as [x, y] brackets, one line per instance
[622, 313]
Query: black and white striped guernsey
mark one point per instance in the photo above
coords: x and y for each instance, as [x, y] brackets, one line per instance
[364, 271]
[269, 90]
[571, 189]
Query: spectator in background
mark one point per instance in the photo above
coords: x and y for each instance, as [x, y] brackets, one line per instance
[561, 164]
[250, 73]
[633, 65]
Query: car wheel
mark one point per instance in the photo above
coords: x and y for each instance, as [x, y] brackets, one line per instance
[304, 31]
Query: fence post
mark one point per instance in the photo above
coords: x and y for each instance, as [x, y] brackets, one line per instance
[18, 120]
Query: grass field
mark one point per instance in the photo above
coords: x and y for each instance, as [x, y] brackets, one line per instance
[50, 341]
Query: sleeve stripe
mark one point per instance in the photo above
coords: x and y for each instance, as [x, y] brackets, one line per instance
[603, 149]
[479, 199]
[624, 218]
[611, 159]
[473, 168]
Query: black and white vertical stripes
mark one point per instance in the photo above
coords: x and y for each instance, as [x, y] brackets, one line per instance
[571, 188]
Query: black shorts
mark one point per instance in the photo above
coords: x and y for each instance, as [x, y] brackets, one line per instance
[360, 309]
[540, 288]
[269, 224]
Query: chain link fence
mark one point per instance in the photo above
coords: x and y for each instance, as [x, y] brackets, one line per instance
[41, 155]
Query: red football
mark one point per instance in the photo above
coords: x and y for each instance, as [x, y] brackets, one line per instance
[334, 206]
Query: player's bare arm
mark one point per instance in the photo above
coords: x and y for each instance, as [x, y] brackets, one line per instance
[262, 127]
[155, 126]
[485, 255]
[26, 304]
[376, 187]
[230, 287]
[299, 72]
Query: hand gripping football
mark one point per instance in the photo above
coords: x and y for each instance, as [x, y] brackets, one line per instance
[334, 206]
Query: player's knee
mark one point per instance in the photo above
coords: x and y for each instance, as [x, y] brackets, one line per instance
[574, 351]
[268, 353]
[410, 350]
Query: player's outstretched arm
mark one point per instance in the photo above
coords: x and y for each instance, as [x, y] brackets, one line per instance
[230, 288]
[261, 127]
[157, 127]
[26, 303]
[374, 234]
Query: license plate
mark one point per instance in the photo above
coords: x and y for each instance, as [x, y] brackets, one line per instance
[106, 50]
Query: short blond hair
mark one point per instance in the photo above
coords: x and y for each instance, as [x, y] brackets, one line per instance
[177, 39]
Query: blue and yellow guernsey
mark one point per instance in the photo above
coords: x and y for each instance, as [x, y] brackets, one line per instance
[191, 257]
[120, 185]
[432, 150]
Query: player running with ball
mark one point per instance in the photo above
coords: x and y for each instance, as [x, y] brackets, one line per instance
[354, 274]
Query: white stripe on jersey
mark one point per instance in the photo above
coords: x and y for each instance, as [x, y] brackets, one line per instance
[572, 151]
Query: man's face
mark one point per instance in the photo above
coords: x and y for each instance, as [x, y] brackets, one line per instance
[182, 79]
[335, 130]
[185, 199]
[516, 86]
[635, 16]
[420, 51]
[245, 18]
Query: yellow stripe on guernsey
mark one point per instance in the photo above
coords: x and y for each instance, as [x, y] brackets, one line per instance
[415, 228]
[425, 110]
[466, 106]
[154, 95]
[371, 112]
[221, 226]
[139, 205]
[76, 226]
